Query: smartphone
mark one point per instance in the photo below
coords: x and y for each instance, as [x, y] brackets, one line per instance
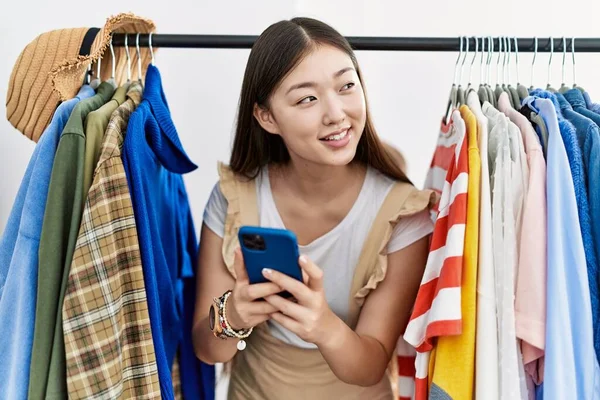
[272, 248]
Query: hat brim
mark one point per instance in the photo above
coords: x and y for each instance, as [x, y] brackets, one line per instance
[68, 76]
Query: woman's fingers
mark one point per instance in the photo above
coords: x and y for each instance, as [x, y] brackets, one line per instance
[241, 275]
[315, 274]
[298, 289]
[259, 319]
[259, 290]
[259, 308]
[288, 323]
[289, 308]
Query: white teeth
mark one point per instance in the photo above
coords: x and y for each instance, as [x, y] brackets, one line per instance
[339, 136]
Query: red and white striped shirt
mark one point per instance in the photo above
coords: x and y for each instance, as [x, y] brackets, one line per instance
[448, 147]
[437, 310]
[406, 370]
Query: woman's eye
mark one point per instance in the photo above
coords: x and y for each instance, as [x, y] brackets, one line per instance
[348, 86]
[304, 100]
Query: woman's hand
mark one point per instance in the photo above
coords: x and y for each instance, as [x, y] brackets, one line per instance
[244, 309]
[310, 317]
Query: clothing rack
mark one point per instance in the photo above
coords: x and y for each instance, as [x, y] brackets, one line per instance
[439, 44]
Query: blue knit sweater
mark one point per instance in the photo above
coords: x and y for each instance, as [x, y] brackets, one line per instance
[154, 160]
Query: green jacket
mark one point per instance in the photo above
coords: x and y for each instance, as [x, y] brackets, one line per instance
[59, 233]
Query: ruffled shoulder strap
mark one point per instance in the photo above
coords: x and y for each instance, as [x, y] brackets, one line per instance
[242, 209]
[402, 201]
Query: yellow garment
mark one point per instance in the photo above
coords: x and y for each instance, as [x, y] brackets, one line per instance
[453, 364]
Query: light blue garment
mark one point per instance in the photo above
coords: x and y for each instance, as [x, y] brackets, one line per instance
[595, 107]
[571, 369]
[19, 257]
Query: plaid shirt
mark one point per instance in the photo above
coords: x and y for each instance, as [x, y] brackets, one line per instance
[108, 339]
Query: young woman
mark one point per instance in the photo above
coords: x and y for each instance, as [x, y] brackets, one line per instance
[306, 157]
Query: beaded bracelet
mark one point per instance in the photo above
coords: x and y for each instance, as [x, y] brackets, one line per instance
[227, 329]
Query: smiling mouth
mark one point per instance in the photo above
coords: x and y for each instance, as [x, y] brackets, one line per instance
[336, 137]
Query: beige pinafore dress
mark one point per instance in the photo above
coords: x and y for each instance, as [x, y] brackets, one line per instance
[269, 369]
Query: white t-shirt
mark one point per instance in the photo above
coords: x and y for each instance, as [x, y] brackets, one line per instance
[337, 251]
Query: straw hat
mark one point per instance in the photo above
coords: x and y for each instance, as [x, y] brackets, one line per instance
[53, 67]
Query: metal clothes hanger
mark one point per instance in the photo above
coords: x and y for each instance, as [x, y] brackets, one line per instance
[490, 91]
[499, 79]
[87, 75]
[521, 89]
[498, 62]
[113, 61]
[482, 91]
[139, 57]
[460, 91]
[128, 59]
[512, 92]
[548, 86]
[505, 64]
[151, 49]
[575, 86]
[472, 62]
[452, 98]
[489, 59]
[99, 66]
[563, 86]
[535, 51]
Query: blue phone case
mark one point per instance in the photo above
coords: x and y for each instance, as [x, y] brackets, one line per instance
[280, 253]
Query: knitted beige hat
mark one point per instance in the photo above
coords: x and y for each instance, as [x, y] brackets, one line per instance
[53, 67]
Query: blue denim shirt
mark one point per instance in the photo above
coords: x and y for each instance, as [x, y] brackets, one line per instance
[19, 257]
[595, 107]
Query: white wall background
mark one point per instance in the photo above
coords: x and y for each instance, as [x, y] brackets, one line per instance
[407, 91]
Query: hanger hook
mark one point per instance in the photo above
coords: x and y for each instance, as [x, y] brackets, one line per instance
[139, 56]
[474, 57]
[500, 53]
[481, 68]
[517, 58]
[128, 58]
[460, 50]
[503, 52]
[505, 67]
[99, 62]
[550, 60]
[573, 56]
[112, 53]
[88, 73]
[564, 45]
[490, 57]
[463, 61]
[508, 48]
[535, 51]
[150, 44]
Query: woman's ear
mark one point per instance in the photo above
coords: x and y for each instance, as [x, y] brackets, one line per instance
[265, 119]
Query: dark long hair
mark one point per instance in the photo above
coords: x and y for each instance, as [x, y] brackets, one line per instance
[279, 49]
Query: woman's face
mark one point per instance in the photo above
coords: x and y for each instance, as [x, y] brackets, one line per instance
[319, 109]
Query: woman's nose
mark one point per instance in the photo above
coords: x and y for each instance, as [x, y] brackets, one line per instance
[334, 112]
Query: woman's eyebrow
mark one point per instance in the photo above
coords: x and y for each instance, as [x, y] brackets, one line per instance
[304, 85]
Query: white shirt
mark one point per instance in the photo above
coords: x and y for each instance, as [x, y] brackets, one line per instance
[504, 193]
[337, 251]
